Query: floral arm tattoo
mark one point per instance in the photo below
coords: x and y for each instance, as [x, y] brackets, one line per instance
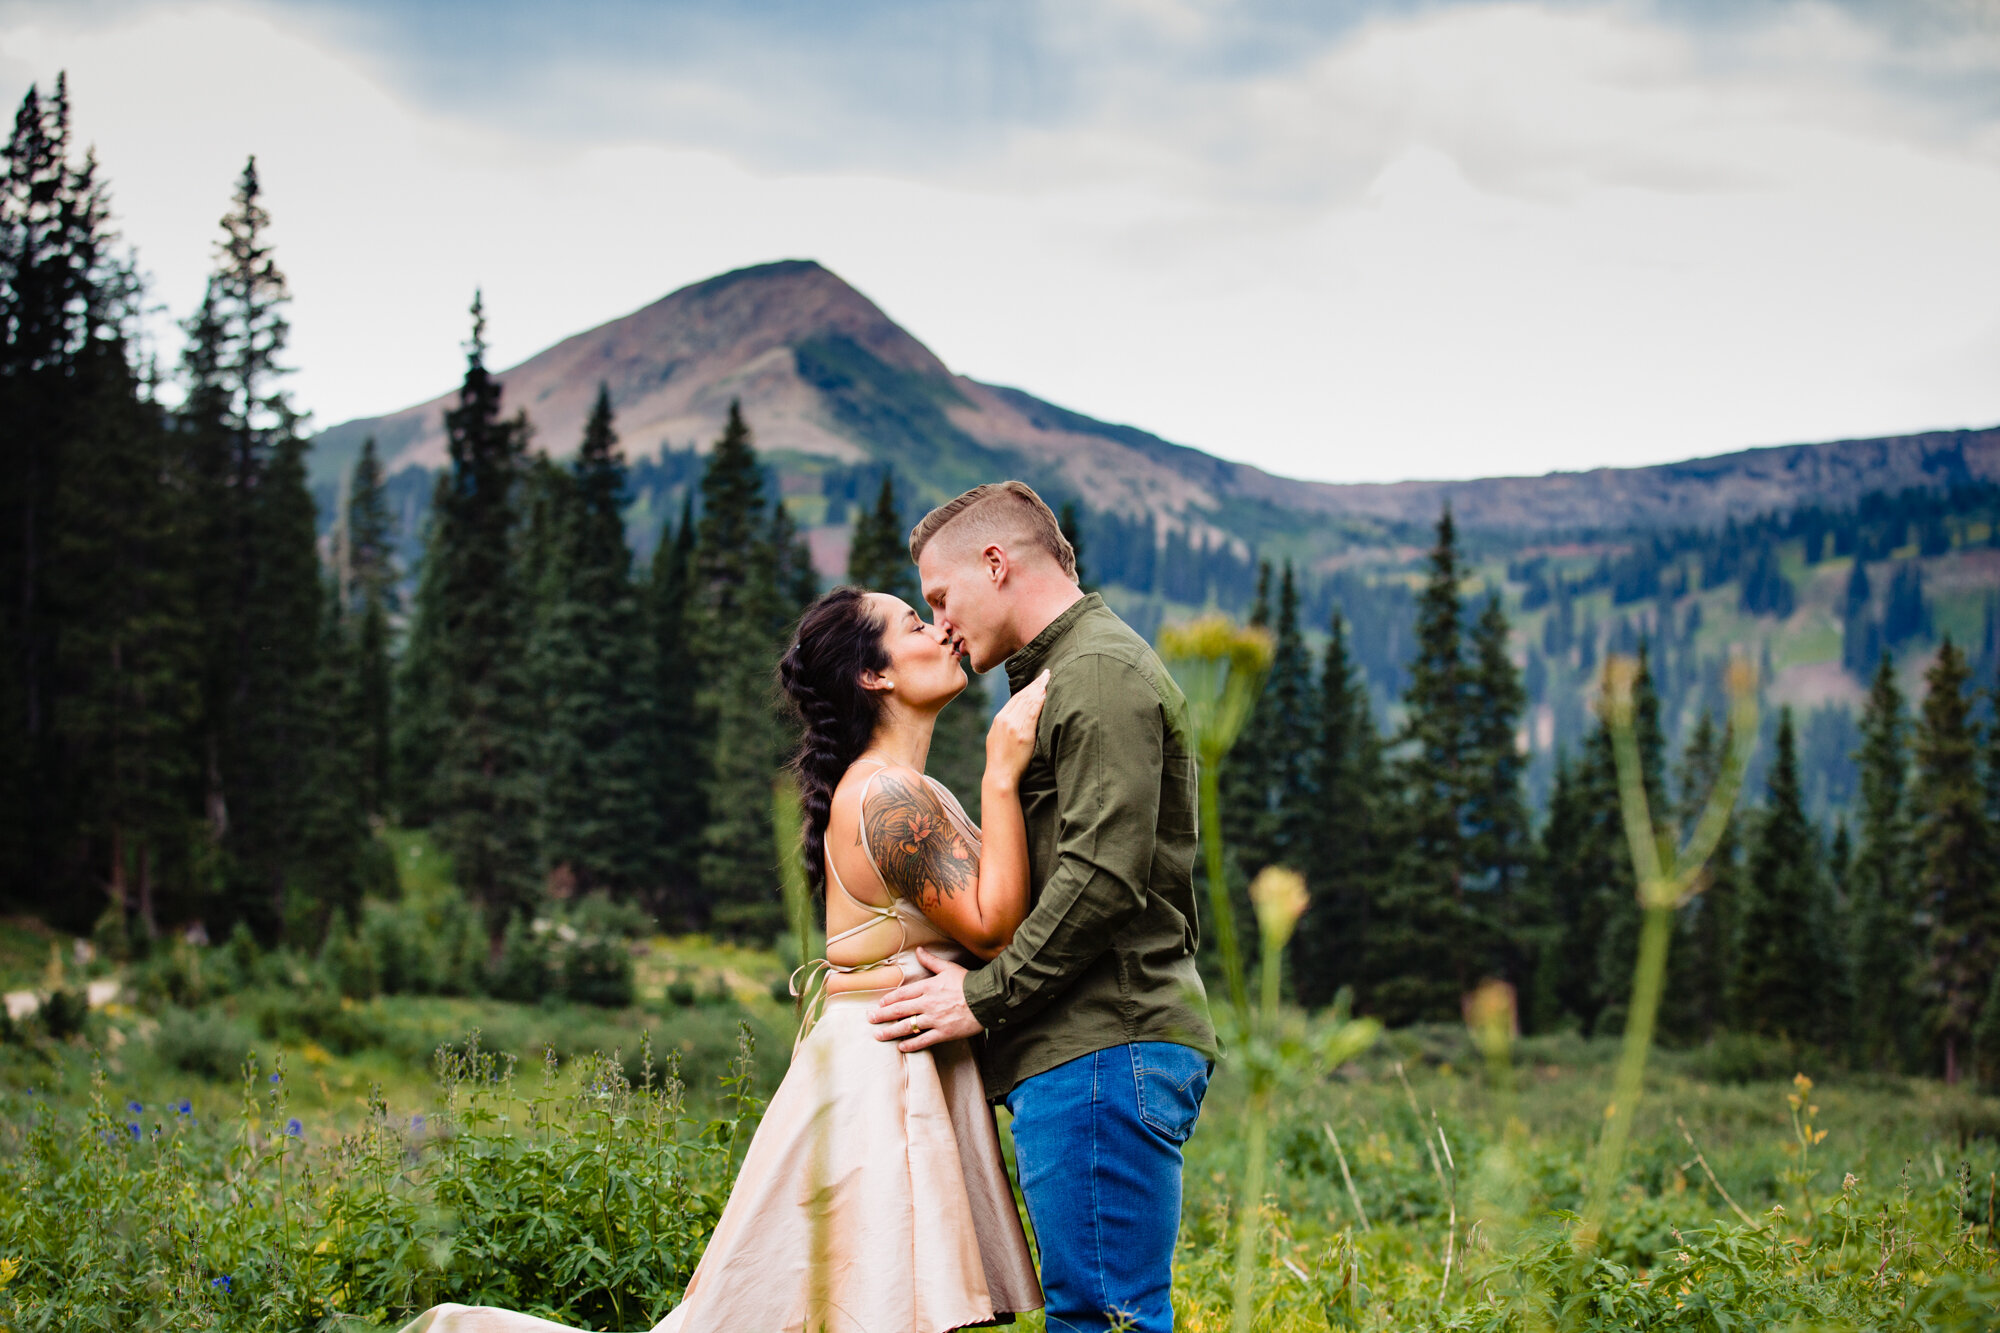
[922, 854]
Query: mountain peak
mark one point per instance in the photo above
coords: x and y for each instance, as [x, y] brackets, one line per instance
[674, 366]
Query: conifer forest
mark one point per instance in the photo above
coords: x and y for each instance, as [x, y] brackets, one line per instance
[324, 780]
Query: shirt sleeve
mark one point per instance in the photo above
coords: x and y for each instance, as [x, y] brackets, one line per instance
[1106, 742]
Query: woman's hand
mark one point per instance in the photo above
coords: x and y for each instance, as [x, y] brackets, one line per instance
[1010, 741]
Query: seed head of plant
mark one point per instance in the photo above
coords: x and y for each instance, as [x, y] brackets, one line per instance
[1279, 896]
[1219, 666]
[1621, 675]
[1489, 1014]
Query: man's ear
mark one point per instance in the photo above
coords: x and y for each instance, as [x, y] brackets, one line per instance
[995, 564]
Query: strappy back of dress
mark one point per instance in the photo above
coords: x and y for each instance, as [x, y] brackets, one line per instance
[896, 910]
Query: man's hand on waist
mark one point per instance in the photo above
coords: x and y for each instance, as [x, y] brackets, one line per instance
[924, 1013]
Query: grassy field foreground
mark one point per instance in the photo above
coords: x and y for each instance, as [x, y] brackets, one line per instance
[376, 1157]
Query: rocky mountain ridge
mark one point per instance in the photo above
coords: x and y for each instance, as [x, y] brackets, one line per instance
[826, 378]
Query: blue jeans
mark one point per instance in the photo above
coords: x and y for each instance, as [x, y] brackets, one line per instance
[1098, 1143]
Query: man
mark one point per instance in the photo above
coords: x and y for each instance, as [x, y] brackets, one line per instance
[1097, 1031]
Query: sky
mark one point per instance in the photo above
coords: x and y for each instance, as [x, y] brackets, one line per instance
[1344, 241]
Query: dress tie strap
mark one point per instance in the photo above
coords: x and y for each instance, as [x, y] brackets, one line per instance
[813, 988]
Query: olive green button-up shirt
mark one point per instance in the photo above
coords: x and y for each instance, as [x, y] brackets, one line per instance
[1106, 955]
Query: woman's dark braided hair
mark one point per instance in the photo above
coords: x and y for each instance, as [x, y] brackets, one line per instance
[838, 638]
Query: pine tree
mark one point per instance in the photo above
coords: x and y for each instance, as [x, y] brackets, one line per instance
[1273, 784]
[254, 525]
[1499, 843]
[1956, 864]
[370, 599]
[1427, 945]
[73, 412]
[734, 600]
[125, 653]
[468, 729]
[1883, 939]
[599, 818]
[878, 557]
[1346, 850]
[680, 773]
[338, 860]
[1703, 960]
[1248, 778]
[1066, 523]
[1785, 983]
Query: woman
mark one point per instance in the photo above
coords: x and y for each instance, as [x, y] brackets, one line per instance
[873, 1198]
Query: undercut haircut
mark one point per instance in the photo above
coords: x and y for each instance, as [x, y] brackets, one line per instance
[1004, 513]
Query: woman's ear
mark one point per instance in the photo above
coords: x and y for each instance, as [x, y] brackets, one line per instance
[876, 682]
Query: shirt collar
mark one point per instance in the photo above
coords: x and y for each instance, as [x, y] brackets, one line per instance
[1027, 662]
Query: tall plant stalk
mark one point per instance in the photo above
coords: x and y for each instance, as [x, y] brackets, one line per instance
[1220, 668]
[1667, 879]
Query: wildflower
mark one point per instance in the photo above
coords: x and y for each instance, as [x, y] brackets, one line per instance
[134, 1107]
[134, 1129]
[292, 1128]
[184, 1106]
[417, 1122]
[223, 1284]
[1280, 899]
[274, 1078]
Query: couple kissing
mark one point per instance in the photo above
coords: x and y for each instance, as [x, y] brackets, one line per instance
[1044, 960]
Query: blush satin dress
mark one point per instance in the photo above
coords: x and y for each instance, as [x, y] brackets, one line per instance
[873, 1197]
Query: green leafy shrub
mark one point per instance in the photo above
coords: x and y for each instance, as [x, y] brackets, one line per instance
[1744, 1057]
[208, 1043]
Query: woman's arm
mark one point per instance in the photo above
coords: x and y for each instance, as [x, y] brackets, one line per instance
[975, 890]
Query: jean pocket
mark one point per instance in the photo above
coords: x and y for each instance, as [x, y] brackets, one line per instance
[1170, 1081]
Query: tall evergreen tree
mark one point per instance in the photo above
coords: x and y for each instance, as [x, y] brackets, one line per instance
[734, 602]
[1066, 523]
[1883, 939]
[254, 518]
[467, 732]
[878, 557]
[369, 599]
[1499, 843]
[599, 816]
[1956, 880]
[1346, 849]
[1428, 942]
[680, 774]
[1703, 959]
[73, 415]
[125, 654]
[1273, 784]
[1786, 984]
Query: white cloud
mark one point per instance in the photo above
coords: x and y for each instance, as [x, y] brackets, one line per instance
[1460, 241]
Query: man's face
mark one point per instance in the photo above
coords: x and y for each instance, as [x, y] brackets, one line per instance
[965, 602]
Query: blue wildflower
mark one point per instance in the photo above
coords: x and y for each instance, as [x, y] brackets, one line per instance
[134, 1107]
[417, 1121]
[292, 1128]
[134, 1129]
[184, 1106]
[274, 1078]
[223, 1284]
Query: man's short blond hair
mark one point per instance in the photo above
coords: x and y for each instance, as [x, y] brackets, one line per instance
[1005, 512]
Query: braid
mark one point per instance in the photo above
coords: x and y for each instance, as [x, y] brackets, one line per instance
[838, 638]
